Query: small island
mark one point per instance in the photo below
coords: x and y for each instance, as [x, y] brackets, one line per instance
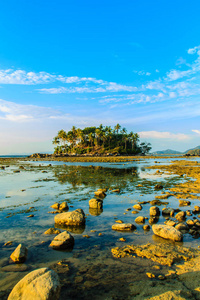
[102, 140]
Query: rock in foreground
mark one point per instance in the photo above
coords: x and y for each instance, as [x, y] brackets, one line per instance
[20, 254]
[62, 241]
[76, 217]
[41, 284]
[167, 232]
[96, 203]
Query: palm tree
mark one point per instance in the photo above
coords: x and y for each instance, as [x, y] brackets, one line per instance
[117, 128]
[91, 138]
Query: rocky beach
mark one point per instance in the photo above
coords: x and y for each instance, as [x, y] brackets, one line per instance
[102, 227]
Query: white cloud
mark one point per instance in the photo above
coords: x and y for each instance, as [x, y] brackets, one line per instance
[196, 131]
[163, 135]
[193, 50]
[142, 73]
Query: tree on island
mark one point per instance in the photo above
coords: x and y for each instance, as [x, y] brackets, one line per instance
[99, 140]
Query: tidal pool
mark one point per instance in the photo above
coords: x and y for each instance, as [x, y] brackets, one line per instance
[89, 270]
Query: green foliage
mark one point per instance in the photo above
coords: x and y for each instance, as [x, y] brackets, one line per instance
[99, 140]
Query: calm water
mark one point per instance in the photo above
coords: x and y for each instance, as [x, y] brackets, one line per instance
[91, 266]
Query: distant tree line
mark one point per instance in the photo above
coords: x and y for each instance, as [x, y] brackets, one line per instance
[99, 140]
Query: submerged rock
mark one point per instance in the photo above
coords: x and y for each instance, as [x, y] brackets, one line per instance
[123, 226]
[41, 284]
[20, 254]
[76, 217]
[62, 241]
[52, 231]
[167, 232]
[96, 203]
[165, 254]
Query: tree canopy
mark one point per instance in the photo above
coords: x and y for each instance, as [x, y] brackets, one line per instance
[99, 140]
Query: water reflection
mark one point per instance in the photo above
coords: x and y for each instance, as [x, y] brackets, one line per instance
[71, 228]
[95, 211]
[95, 176]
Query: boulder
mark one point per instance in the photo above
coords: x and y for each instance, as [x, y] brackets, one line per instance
[76, 217]
[20, 254]
[96, 203]
[63, 206]
[62, 241]
[154, 211]
[41, 284]
[123, 226]
[167, 232]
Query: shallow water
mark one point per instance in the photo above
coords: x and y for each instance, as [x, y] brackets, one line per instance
[38, 185]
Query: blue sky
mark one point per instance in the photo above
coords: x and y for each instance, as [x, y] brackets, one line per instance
[83, 63]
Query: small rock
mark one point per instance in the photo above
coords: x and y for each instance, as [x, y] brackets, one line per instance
[137, 206]
[100, 193]
[190, 222]
[184, 202]
[55, 206]
[150, 275]
[197, 208]
[181, 226]
[63, 240]
[158, 186]
[124, 226]
[9, 243]
[96, 203]
[63, 206]
[167, 211]
[122, 239]
[116, 191]
[20, 254]
[119, 221]
[154, 211]
[146, 227]
[30, 216]
[170, 223]
[140, 219]
[180, 215]
[161, 277]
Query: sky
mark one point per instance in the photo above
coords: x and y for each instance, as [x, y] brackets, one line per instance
[85, 63]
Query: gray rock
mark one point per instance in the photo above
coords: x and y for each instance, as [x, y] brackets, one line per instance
[20, 254]
[76, 217]
[167, 232]
[63, 240]
[41, 284]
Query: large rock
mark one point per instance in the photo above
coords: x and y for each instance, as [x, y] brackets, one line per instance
[76, 217]
[63, 240]
[123, 226]
[41, 284]
[20, 254]
[167, 232]
[96, 203]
